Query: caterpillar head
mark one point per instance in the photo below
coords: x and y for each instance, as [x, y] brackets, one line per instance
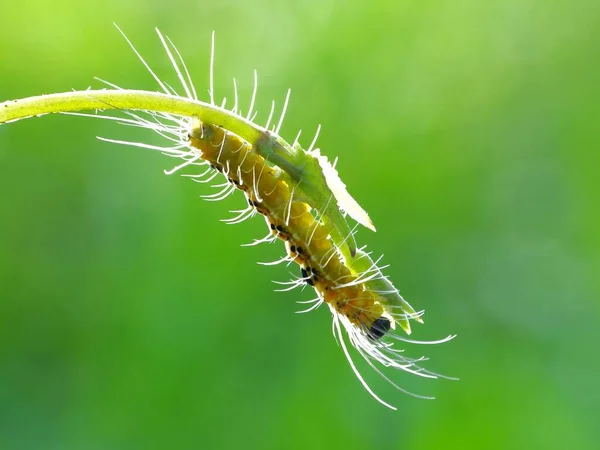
[379, 328]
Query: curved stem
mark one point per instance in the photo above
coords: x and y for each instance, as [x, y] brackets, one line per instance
[271, 147]
[129, 100]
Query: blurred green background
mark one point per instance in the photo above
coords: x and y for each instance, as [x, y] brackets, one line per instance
[131, 318]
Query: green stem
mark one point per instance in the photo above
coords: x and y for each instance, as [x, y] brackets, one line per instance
[273, 148]
[129, 100]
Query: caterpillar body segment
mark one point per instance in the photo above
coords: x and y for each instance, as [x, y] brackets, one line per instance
[388, 295]
[320, 181]
[314, 186]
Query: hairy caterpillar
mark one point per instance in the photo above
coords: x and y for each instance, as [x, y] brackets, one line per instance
[297, 191]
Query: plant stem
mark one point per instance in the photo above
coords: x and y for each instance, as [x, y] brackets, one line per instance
[128, 100]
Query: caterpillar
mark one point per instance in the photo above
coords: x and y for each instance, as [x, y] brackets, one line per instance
[298, 193]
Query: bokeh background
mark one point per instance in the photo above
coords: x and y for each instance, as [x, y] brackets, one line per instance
[131, 318]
